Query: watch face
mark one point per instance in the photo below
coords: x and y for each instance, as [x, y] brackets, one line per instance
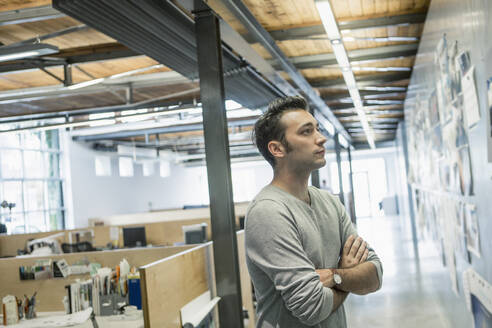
[337, 279]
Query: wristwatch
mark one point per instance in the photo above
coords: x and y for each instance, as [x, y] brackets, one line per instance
[337, 278]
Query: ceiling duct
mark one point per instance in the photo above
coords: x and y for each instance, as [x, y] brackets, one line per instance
[163, 32]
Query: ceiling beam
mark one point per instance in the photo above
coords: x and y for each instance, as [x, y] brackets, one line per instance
[372, 118]
[364, 95]
[27, 15]
[242, 13]
[307, 32]
[80, 55]
[337, 107]
[388, 125]
[361, 144]
[377, 53]
[363, 80]
[137, 81]
[159, 130]
[55, 34]
[369, 112]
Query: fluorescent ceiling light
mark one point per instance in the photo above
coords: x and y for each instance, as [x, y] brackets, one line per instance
[26, 51]
[381, 95]
[133, 111]
[85, 84]
[98, 116]
[328, 19]
[102, 122]
[388, 39]
[384, 88]
[349, 78]
[333, 32]
[341, 55]
[381, 69]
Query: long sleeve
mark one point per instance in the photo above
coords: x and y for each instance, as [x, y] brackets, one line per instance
[274, 247]
[347, 229]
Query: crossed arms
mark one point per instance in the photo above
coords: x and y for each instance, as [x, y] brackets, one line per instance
[280, 266]
[358, 276]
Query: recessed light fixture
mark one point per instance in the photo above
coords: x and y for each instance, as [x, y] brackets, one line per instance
[332, 31]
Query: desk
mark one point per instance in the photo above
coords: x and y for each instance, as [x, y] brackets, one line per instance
[114, 321]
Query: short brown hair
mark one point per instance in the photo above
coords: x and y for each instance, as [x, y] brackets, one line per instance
[268, 127]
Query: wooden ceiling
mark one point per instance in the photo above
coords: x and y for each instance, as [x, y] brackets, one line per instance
[380, 36]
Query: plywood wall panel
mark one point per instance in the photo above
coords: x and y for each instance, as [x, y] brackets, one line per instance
[51, 291]
[6, 5]
[170, 284]
[19, 32]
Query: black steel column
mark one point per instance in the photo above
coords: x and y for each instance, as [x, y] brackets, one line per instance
[339, 164]
[67, 74]
[351, 181]
[218, 166]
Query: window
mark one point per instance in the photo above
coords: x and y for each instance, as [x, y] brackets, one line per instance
[148, 168]
[30, 178]
[369, 180]
[165, 169]
[103, 166]
[126, 167]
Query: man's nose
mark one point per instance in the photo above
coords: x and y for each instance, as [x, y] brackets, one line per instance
[321, 139]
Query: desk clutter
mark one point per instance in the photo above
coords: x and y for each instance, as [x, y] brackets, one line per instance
[48, 269]
[107, 292]
[14, 308]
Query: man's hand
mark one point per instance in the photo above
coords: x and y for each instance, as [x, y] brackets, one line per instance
[354, 252]
[326, 277]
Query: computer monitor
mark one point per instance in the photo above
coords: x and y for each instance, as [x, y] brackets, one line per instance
[134, 237]
[195, 233]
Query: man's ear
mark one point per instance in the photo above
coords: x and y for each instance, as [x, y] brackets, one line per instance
[276, 149]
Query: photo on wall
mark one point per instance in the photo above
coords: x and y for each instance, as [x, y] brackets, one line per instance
[465, 171]
[489, 110]
[436, 140]
[471, 228]
[433, 109]
[463, 62]
[470, 98]
[489, 98]
[460, 231]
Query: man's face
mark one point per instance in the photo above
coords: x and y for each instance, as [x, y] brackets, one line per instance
[306, 144]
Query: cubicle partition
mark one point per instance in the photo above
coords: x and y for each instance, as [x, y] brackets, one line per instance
[171, 283]
[164, 233]
[50, 292]
[162, 228]
[164, 215]
[9, 244]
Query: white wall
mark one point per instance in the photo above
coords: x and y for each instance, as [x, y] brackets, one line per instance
[390, 159]
[95, 196]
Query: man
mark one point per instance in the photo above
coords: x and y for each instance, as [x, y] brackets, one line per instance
[302, 252]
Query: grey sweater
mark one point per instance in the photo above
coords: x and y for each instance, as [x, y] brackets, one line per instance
[286, 241]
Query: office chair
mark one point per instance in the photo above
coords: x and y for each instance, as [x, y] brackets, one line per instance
[84, 246]
[69, 248]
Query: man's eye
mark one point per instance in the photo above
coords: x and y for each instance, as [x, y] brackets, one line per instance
[306, 132]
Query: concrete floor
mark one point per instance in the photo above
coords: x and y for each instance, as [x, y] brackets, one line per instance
[416, 292]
